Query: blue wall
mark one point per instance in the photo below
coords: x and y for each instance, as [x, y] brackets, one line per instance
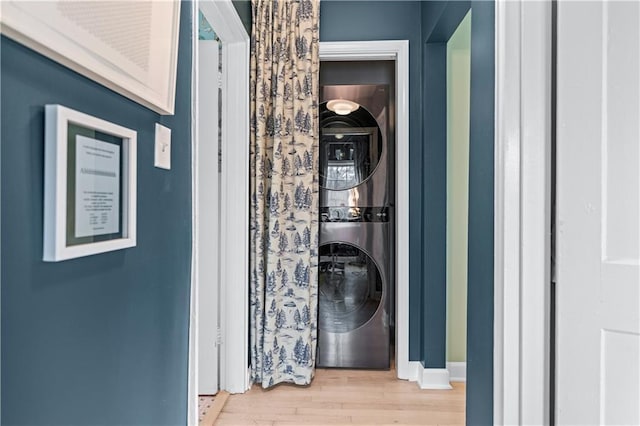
[434, 187]
[101, 339]
[439, 22]
[481, 189]
[243, 7]
[440, 19]
[428, 25]
[392, 20]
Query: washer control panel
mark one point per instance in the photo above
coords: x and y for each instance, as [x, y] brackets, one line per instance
[355, 214]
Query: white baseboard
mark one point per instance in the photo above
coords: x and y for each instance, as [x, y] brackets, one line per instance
[430, 378]
[457, 371]
[413, 367]
[249, 380]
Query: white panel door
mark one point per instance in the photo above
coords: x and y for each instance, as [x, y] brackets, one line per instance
[208, 222]
[598, 186]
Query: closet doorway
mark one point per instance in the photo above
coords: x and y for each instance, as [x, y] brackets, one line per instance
[397, 52]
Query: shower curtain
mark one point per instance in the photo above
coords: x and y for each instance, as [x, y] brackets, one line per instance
[284, 190]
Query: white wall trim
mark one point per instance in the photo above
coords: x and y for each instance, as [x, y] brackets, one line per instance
[457, 371]
[397, 50]
[234, 242]
[506, 357]
[522, 212]
[234, 197]
[192, 380]
[234, 202]
[535, 181]
[430, 378]
[206, 234]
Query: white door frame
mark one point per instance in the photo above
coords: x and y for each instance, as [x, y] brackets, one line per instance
[206, 175]
[523, 76]
[398, 51]
[522, 212]
[522, 188]
[235, 293]
[232, 248]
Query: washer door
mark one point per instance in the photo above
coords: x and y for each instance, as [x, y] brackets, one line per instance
[350, 288]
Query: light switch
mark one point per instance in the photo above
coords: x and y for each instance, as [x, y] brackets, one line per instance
[162, 157]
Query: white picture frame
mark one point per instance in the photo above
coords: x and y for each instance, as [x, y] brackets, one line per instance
[129, 47]
[75, 226]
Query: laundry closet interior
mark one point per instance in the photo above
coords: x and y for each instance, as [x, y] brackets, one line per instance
[356, 315]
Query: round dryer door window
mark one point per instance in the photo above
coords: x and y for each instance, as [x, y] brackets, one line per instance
[350, 288]
[350, 148]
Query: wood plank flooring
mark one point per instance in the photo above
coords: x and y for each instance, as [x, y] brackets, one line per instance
[347, 397]
[211, 408]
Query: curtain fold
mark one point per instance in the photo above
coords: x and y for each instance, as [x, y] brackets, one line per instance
[284, 190]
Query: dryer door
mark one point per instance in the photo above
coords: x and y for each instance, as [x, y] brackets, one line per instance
[353, 152]
[348, 155]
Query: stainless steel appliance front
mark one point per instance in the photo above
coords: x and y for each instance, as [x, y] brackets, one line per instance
[356, 230]
[353, 329]
[355, 149]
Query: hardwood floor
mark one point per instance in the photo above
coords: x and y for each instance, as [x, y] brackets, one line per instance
[347, 397]
[209, 408]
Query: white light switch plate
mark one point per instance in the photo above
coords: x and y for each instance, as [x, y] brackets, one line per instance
[162, 157]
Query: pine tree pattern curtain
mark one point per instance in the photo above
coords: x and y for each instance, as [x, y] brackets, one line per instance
[284, 190]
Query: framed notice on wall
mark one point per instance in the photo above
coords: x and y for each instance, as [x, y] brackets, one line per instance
[90, 185]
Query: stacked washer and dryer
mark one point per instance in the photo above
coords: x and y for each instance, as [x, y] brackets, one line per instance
[356, 229]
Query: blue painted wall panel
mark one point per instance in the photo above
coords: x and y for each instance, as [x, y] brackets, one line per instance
[101, 339]
[392, 20]
[373, 20]
[439, 21]
[243, 7]
[442, 18]
[434, 195]
[481, 215]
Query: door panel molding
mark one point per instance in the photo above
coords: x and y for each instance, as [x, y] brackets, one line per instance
[598, 203]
